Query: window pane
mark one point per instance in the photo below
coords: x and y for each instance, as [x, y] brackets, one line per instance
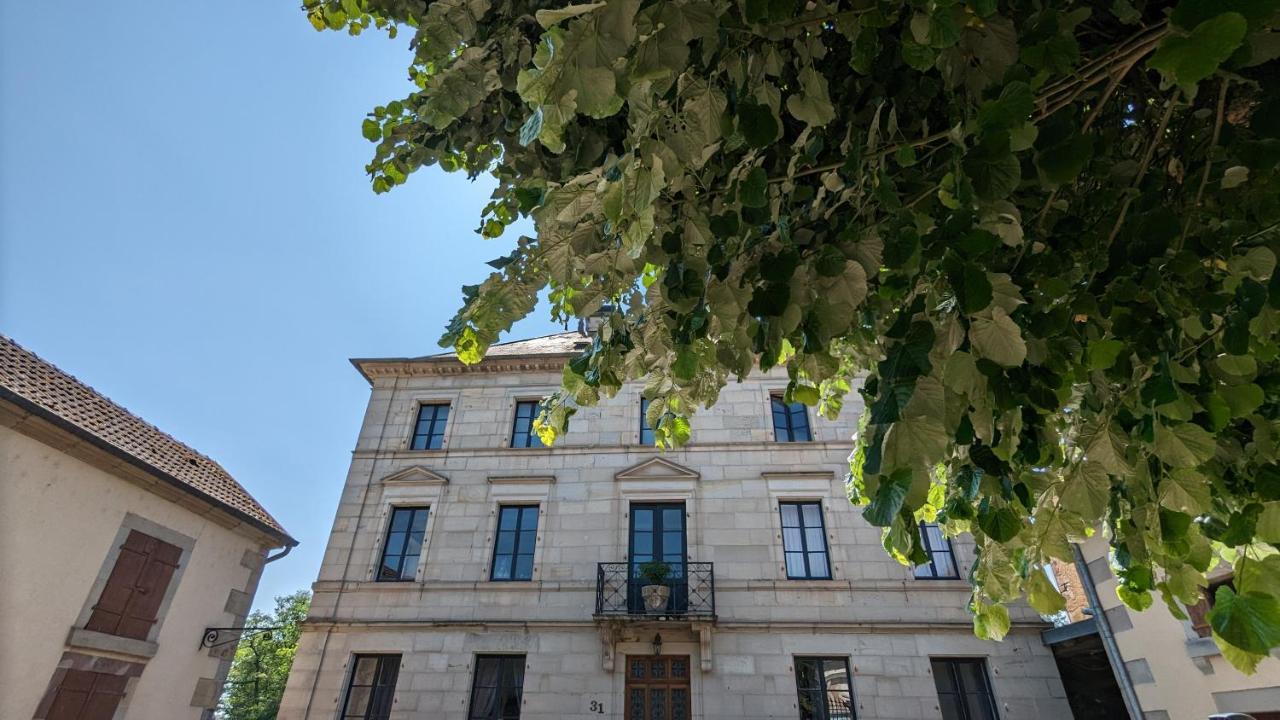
[979, 706]
[506, 542]
[790, 515]
[524, 567]
[818, 565]
[390, 568]
[792, 539]
[944, 564]
[529, 518]
[643, 544]
[395, 542]
[415, 545]
[812, 515]
[366, 671]
[643, 519]
[528, 539]
[813, 538]
[400, 519]
[672, 519]
[795, 565]
[806, 673]
[502, 567]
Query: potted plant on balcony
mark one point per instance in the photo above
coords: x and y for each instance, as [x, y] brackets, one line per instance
[655, 590]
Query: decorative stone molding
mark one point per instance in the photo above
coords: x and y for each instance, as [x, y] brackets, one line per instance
[703, 629]
[521, 479]
[657, 469]
[96, 642]
[415, 475]
[452, 366]
[610, 632]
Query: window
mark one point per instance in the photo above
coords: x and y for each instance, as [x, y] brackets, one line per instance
[497, 687]
[1199, 612]
[942, 560]
[646, 432]
[823, 687]
[428, 431]
[513, 548]
[130, 601]
[790, 421]
[522, 434]
[963, 690]
[372, 688]
[403, 547]
[86, 695]
[804, 541]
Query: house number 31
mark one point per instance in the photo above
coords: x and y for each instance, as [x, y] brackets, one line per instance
[597, 707]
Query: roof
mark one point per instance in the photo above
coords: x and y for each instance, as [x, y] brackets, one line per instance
[555, 345]
[42, 389]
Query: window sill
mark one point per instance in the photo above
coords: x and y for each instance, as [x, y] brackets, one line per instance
[93, 640]
[1202, 647]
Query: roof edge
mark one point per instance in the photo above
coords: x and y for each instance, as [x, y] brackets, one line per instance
[553, 361]
[67, 426]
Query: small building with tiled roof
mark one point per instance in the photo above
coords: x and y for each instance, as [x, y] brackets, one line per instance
[129, 559]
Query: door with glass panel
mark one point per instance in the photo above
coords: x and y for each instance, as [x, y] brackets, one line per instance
[657, 687]
[658, 535]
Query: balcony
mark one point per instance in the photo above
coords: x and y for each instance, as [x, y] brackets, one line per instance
[692, 595]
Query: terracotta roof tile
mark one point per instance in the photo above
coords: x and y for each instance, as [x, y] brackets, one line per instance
[39, 383]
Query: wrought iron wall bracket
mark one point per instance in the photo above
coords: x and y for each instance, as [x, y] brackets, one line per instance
[213, 636]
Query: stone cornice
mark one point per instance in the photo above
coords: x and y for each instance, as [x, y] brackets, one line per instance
[372, 368]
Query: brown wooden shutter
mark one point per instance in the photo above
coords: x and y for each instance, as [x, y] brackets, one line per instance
[85, 695]
[130, 601]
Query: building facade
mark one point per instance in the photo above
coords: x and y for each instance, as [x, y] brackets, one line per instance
[1172, 668]
[120, 549]
[472, 573]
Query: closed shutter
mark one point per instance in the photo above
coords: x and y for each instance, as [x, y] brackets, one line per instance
[130, 601]
[84, 695]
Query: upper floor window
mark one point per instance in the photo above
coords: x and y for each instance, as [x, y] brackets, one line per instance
[522, 434]
[646, 432]
[1199, 612]
[403, 547]
[804, 541]
[428, 431]
[942, 559]
[372, 688]
[964, 692]
[497, 687]
[513, 547]
[130, 601]
[823, 687]
[790, 421]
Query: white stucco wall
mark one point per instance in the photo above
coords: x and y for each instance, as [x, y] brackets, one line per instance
[873, 611]
[59, 519]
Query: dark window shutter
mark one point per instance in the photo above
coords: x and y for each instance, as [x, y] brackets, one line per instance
[130, 601]
[84, 695]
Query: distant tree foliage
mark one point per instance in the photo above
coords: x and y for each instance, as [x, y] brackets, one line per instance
[261, 665]
[1037, 236]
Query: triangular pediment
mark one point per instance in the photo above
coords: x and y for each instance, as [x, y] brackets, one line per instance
[656, 469]
[416, 475]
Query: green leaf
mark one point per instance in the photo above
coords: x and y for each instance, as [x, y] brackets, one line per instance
[371, 130]
[1062, 162]
[1268, 528]
[547, 18]
[1185, 491]
[1000, 524]
[1241, 399]
[1234, 177]
[991, 622]
[1137, 600]
[1103, 353]
[1183, 446]
[757, 124]
[1086, 490]
[993, 168]
[754, 189]
[1190, 13]
[1010, 110]
[1249, 621]
[1187, 60]
[998, 339]
[889, 497]
[972, 288]
[812, 105]
[1042, 595]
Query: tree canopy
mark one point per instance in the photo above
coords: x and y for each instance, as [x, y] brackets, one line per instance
[1038, 237]
[261, 665]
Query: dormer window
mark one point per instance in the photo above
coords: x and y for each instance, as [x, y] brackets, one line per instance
[646, 432]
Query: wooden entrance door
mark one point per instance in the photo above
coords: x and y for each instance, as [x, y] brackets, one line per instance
[657, 687]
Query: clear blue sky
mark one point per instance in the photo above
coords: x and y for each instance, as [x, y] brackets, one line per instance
[185, 225]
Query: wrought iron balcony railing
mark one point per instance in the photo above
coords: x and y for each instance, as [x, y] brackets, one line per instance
[692, 591]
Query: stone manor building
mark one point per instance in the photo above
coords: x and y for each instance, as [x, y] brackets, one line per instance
[473, 574]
